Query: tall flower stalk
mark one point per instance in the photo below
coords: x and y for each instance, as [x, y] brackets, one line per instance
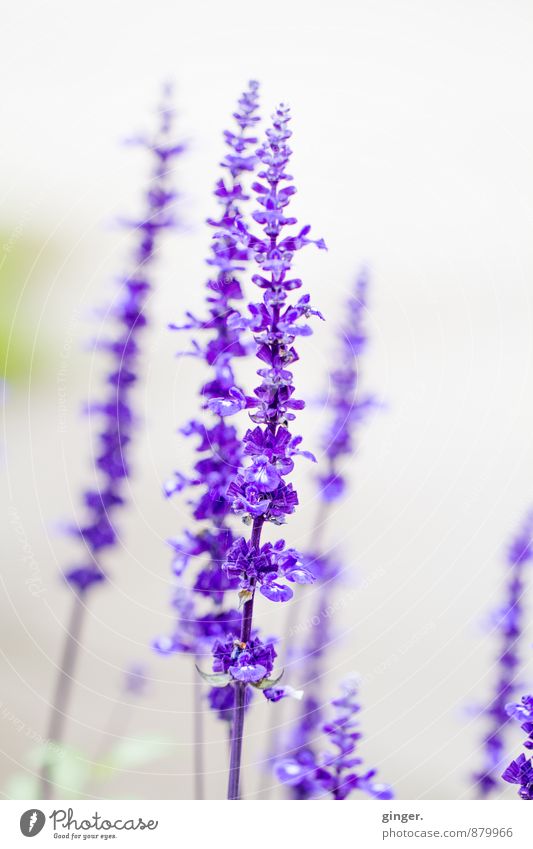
[199, 604]
[520, 771]
[337, 771]
[509, 624]
[105, 497]
[349, 407]
[260, 491]
[306, 772]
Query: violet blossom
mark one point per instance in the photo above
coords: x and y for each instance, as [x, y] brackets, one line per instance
[106, 496]
[349, 408]
[509, 623]
[260, 491]
[112, 460]
[348, 405]
[520, 771]
[337, 771]
[218, 447]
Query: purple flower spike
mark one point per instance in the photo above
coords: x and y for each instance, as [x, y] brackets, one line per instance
[110, 458]
[202, 617]
[508, 622]
[84, 577]
[260, 492]
[520, 771]
[337, 772]
[523, 711]
[349, 407]
[102, 500]
[348, 410]
[245, 662]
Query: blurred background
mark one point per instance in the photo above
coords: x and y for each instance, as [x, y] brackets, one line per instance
[412, 144]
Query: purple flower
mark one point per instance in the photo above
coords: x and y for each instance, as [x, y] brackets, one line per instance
[520, 771]
[260, 491]
[275, 694]
[195, 634]
[102, 500]
[110, 457]
[83, 577]
[348, 405]
[135, 680]
[508, 623]
[266, 567]
[336, 772]
[521, 711]
[201, 621]
[348, 410]
[245, 662]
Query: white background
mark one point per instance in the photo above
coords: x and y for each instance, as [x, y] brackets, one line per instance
[412, 139]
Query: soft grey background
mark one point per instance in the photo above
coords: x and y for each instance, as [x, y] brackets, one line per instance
[412, 137]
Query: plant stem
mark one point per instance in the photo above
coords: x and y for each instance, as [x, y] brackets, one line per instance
[199, 770]
[236, 742]
[276, 718]
[63, 688]
[240, 688]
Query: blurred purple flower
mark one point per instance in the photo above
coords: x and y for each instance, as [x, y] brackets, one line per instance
[219, 450]
[348, 406]
[260, 491]
[128, 312]
[508, 622]
[520, 771]
[335, 772]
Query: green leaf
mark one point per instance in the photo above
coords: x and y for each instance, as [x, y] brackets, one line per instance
[70, 768]
[215, 679]
[129, 753]
[265, 683]
[22, 785]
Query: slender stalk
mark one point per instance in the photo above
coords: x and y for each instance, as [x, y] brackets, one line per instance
[240, 694]
[261, 490]
[199, 766]
[236, 743]
[63, 688]
[276, 719]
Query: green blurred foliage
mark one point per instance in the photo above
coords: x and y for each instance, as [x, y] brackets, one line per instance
[22, 265]
[76, 775]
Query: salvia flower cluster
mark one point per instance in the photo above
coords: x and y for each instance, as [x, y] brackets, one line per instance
[348, 405]
[97, 532]
[218, 447]
[337, 771]
[348, 409]
[503, 710]
[520, 771]
[509, 623]
[115, 409]
[261, 492]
